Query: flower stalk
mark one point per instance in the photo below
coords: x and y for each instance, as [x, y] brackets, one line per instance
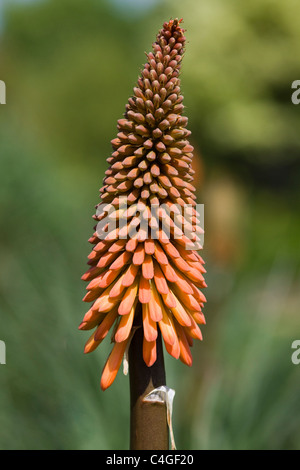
[148, 421]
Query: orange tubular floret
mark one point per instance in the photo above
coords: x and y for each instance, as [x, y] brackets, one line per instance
[149, 352]
[113, 364]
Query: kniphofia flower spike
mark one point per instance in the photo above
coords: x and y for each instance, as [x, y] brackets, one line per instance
[132, 271]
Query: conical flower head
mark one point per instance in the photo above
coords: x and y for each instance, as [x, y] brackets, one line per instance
[145, 260]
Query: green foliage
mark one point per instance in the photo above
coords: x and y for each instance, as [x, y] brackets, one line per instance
[239, 67]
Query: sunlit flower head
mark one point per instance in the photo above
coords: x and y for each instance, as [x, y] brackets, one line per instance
[145, 260]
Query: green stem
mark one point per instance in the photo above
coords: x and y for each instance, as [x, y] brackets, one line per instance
[148, 421]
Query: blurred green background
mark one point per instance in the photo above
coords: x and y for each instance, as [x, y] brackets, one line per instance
[69, 68]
